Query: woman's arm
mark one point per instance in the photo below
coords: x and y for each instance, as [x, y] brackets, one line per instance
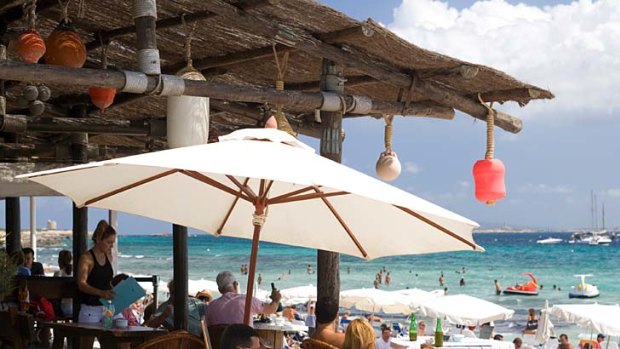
[85, 265]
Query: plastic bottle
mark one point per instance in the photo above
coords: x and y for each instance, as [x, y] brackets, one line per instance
[439, 334]
[413, 328]
[108, 314]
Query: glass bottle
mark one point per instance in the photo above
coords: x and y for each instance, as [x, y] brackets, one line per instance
[439, 334]
[413, 329]
[108, 314]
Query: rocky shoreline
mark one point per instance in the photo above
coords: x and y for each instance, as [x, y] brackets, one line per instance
[45, 238]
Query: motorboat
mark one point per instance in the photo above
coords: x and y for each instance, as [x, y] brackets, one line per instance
[528, 289]
[600, 240]
[583, 290]
[549, 241]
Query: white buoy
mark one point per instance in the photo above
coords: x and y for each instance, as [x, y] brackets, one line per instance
[188, 117]
[388, 166]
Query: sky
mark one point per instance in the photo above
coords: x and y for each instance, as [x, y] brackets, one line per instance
[568, 147]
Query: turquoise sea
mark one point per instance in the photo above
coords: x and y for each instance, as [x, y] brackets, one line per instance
[507, 256]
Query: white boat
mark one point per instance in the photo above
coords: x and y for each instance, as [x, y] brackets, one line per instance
[583, 290]
[600, 240]
[549, 241]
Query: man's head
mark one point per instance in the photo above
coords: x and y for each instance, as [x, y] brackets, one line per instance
[386, 333]
[205, 296]
[238, 336]
[563, 338]
[600, 337]
[498, 337]
[226, 282]
[517, 342]
[421, 327]
[326, 310]
[28, 256]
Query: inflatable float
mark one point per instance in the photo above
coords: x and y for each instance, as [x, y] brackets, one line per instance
[528, 289]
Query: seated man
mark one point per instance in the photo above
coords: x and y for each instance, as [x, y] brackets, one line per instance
[230, 307]
[326, 317]
[196, 310]
[238, 336]
[36, 268]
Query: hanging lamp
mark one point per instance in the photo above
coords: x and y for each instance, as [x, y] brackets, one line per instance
[388, 166]
[489, 173]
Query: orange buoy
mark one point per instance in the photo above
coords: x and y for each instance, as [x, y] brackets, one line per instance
[30, 46]
[102, 97]
[489, 180]
[65, 47]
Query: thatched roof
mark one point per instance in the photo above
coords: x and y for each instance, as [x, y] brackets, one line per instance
[233, 45]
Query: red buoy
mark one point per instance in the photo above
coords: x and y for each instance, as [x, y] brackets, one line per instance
[489, 180]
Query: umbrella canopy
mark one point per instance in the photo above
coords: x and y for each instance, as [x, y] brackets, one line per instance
[298, 295]
[375, 301]
[416, 296]
[227, 189]
[600, 318]
[465, 310]
[545, 327]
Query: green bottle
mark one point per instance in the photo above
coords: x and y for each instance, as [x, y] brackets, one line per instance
[439, 334]
[413, 329]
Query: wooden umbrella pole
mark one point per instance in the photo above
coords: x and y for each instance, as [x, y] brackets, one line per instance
[258, 220]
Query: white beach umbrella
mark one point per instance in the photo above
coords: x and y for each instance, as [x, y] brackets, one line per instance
[545, 327]
[598, 317]
[375, 301]
[295, 196]
[416, 296]
[465, 310]
[298, 295]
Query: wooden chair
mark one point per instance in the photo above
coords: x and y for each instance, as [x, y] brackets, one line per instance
[215, 334]
[311, 343]
[174, 340]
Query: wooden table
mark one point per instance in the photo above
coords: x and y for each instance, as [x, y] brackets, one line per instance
[273, 335]
[108, 337]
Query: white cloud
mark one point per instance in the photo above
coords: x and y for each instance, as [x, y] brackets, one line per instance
[571, 49]
[544, 188]
[464, 184]
[410, 167]
[613, 192]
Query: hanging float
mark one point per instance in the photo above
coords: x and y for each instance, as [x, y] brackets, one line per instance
[30, 46]
[64, 45]
[102, 97]
[388, 166]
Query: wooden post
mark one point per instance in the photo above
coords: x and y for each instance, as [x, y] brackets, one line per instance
[79, 154]
[179, 260]
[328, 263]
[13, 228]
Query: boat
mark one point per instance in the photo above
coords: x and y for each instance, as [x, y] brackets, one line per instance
[597, 239]
[583, 290]
[528, 289]
[549, 241]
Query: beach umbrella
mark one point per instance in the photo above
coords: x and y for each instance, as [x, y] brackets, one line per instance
[263, 184]
[545, 327]
[298, 295]
[464, 310]
[598, 317]
[373, 300]
[416, 296]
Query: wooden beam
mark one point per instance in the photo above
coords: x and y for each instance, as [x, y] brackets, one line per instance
[521, 95]
[292, 100]
[226, 60]
[247, 5]
[107, 35]
[314, 85]
[366, 65]
[16, 13]
[63, 152]
[359, 31]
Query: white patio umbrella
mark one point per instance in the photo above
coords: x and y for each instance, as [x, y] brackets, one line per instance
[545, 327]
[416, 296]
[263, 184]
[375, 301]
[465, 310]
[299, 294]
[598, 317]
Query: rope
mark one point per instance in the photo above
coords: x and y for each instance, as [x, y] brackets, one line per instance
[188, 41]
[490, 126]
[64, 6]
[104, 52]
[281, 120]
[259, 219]
[30, 9]
[388, 132]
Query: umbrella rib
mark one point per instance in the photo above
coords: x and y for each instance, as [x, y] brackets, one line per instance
[232, 207]
[292, 193]
[437, 226]
[342, 222]
[243, 187]
[130, 186]
[322, 195]
[212, 182]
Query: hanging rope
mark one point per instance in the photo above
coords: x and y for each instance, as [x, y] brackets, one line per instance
[281, 120]
[387, 136]
[30, 9]
[64, 7]
[188, 41]
[490, 127]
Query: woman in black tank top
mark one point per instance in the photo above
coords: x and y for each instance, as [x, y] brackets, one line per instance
[95, 273]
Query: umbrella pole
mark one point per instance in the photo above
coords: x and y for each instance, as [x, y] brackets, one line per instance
[258, 225]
